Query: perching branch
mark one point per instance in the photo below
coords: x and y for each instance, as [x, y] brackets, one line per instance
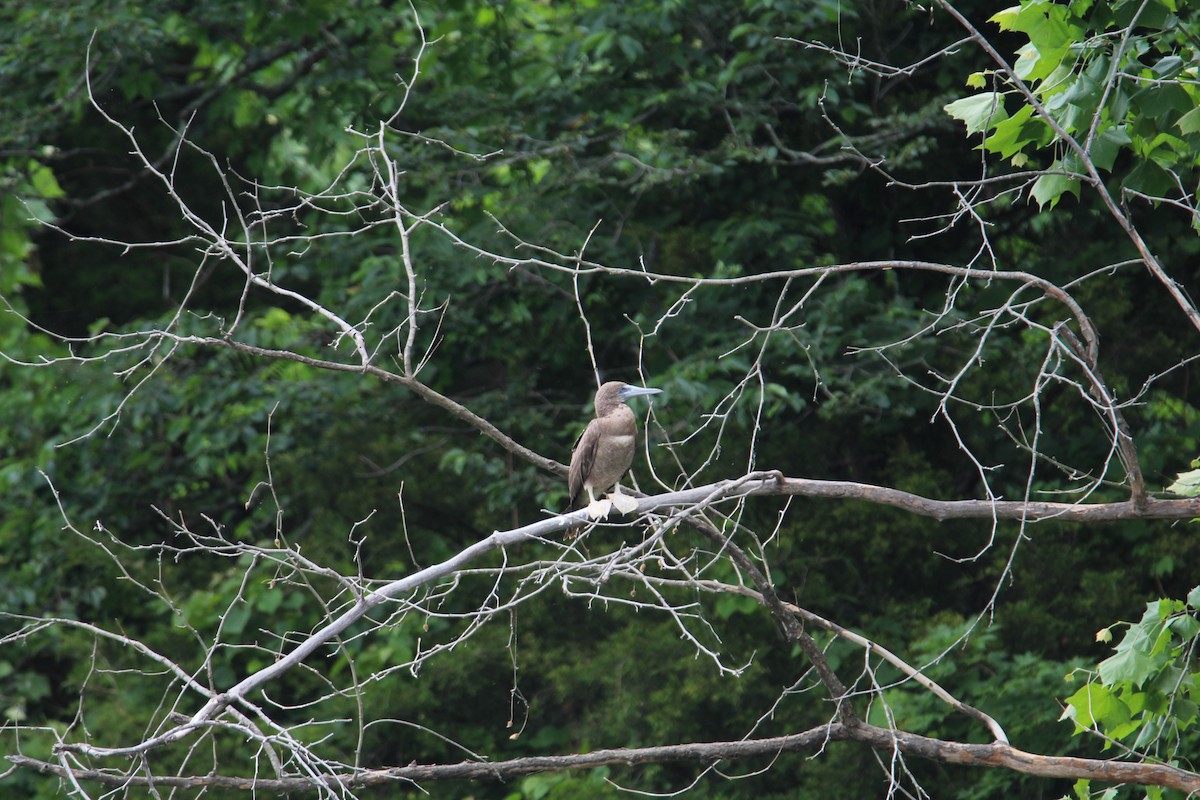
[757, 484]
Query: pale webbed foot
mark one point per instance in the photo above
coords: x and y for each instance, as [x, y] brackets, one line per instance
[623, 502]
[598, 509]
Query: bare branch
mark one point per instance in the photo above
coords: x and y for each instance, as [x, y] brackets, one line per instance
[972, 755]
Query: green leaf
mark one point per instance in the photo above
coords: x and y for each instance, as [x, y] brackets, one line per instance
[1084, 91]
[1168, 67]
[1189, 122]
[980, 112]
[1185, 626]
[1026, 63]
[1149, 179]
[1016, 132]
[1193, 598]
[1167, 150]
[1130, 665]
[1106, 146]
[1095, 705]
[1187, 485]
[728, 605]
[236, 619]
[1151, 731]
[1049, 188]
[1006, 18]
[1186, 711]
[1051, 31]
[1159, 99]
[44, 182]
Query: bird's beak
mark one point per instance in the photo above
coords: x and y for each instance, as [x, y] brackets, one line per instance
[628, 391]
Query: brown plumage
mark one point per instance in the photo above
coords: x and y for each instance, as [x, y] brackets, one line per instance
[605, 450]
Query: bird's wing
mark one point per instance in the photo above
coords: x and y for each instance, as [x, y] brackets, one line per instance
[582, 459]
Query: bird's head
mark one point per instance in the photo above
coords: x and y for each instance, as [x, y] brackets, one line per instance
[614, 393]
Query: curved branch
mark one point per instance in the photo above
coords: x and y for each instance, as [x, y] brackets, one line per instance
[995, 756]
[423, 391]
[992, 725]
[1153, 265]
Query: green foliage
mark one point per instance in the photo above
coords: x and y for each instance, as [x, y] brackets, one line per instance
[1187, 484]
[1105, 79]
[566, 787]
[969, 659]
[980, 112]
[1145, 695]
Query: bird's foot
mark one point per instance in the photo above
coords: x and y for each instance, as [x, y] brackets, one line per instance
[623, 502]
[598, 509]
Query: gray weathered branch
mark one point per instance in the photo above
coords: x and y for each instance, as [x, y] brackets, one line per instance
[996, 756]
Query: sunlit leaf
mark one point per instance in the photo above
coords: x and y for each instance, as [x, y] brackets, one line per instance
[1187, 484]
[1189, 122]
[980, 112]
[1095, 704]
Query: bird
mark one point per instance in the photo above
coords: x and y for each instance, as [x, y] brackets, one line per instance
[605, 451]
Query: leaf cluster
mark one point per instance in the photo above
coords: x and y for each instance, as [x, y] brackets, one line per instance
[1099, 89]
[1145, 695]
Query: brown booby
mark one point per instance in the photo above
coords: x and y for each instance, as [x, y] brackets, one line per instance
[605, 451]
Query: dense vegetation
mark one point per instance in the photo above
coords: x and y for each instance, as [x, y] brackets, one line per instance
[694, 140]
